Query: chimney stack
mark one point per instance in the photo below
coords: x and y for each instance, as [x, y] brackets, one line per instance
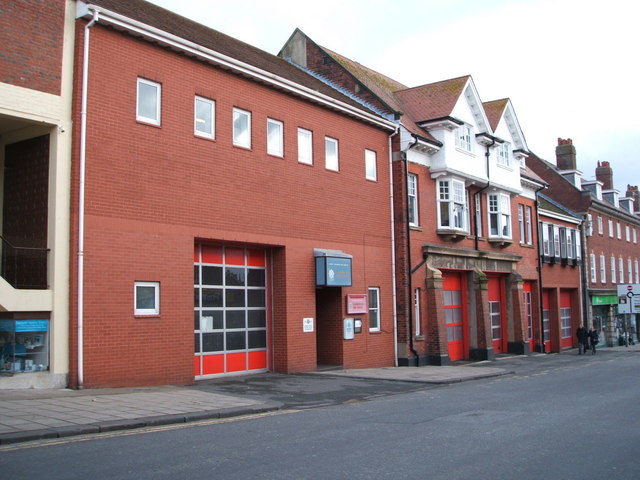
[632, 192]
[565, 155]
[604, 174]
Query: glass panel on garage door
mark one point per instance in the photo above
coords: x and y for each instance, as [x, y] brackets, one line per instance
[230, 310]
[566, 332]
[497, 314]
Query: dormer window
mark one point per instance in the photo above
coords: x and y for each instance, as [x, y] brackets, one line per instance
[463, 137]
[504, 154]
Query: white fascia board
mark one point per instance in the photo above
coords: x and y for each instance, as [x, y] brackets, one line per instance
[148, 32]
[558, 216]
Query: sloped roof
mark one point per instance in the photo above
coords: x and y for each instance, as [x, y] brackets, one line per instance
[174, 24]
[381, 85]
[434, 100]
[531, 175]
[494, 111]
[550, 205]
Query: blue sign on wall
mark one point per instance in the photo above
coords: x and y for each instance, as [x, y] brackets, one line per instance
[333, 271]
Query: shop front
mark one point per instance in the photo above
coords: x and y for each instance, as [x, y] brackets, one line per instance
[24, 345]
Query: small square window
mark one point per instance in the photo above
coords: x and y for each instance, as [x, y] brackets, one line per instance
[305, 146]
[148, 102]
[331, 154]
[204, 117]
[146, 298]
[370, 162]
[275, 139]
[241, 128]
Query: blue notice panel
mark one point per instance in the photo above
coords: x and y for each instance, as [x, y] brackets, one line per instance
[333, 271]
[24, 325]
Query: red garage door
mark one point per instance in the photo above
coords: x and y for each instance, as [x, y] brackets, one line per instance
[497, 314]
[230, 310]
[455, 315]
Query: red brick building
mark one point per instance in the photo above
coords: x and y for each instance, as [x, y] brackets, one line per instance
[234, 214]
[610, 226]
[465, 279]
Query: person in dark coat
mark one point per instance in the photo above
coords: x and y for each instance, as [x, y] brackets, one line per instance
[593, 340]
[583, 339]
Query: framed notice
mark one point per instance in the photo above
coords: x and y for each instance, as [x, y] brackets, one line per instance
[357, 303]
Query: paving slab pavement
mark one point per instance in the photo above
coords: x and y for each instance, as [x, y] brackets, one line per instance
[33, 414]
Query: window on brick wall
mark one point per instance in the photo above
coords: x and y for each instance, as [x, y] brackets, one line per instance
[610, 228]
[146, 298]
[452, 203]
[374, 309]
[275, 137]
[412, 199]
[603, 270]
[148, 102]
[370, 165]
[241, 128]
[204, 117]
[499, 215]
[629, 271]
[620, 270]
[636, 269]
[612, 263]
[619, 230]
[600, 229]
[332, 162]
[305, 146]
[592, 268]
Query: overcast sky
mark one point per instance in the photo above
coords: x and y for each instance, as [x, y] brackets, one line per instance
[569, 66]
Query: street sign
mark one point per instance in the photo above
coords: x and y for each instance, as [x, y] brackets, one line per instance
[629, 298]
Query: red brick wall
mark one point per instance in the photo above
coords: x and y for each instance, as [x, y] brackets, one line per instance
[31, 35]
[150, 191]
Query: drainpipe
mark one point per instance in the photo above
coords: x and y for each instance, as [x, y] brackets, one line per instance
[409, 269]
[393, 253]
[83, 148]
[487, 155]
[584, 281]
[540, 289]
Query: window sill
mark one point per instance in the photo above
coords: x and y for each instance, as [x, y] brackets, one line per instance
[149, 315]
[501, 242]
[451, 235]
[415, 228]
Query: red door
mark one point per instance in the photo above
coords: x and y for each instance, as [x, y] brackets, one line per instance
[566, 331]
[455, 315]
[497, 314]
[546, 321]
[528, 310]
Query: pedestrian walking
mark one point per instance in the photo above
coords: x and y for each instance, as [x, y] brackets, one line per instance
[583, 339]
[593, 340]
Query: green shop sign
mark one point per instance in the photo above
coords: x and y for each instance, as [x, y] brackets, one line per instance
[604, 300]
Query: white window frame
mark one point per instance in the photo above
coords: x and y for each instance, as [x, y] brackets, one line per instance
[370, 165]
[504, 154]
[627, 231]
[636, 268]
[147, 311]
[275, 137]
[374, 310]
[140, 116]
[241, 138]
[521, 223]
[619, 230]
[589, 230]
[610, 228]
[452, 197]
[209, 107]
[478, 204]
[612, 265]
[620, 270]
[603, 270]
[305, 146]
[629, 270]
[331, 154]
[464, 134]
[499, 210]
[412, 199]
[635, 236]
[528, 225]
[416, 312]
[546, 242]
[592, 268]
[600, 228]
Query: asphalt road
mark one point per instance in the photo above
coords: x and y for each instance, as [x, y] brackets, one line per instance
[564, 417]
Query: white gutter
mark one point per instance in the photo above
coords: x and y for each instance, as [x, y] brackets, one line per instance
[393, 254]
[148, 32]
[83, 149]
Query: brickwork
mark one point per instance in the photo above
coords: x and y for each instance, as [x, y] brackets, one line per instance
[31, 35]
[152, 191]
